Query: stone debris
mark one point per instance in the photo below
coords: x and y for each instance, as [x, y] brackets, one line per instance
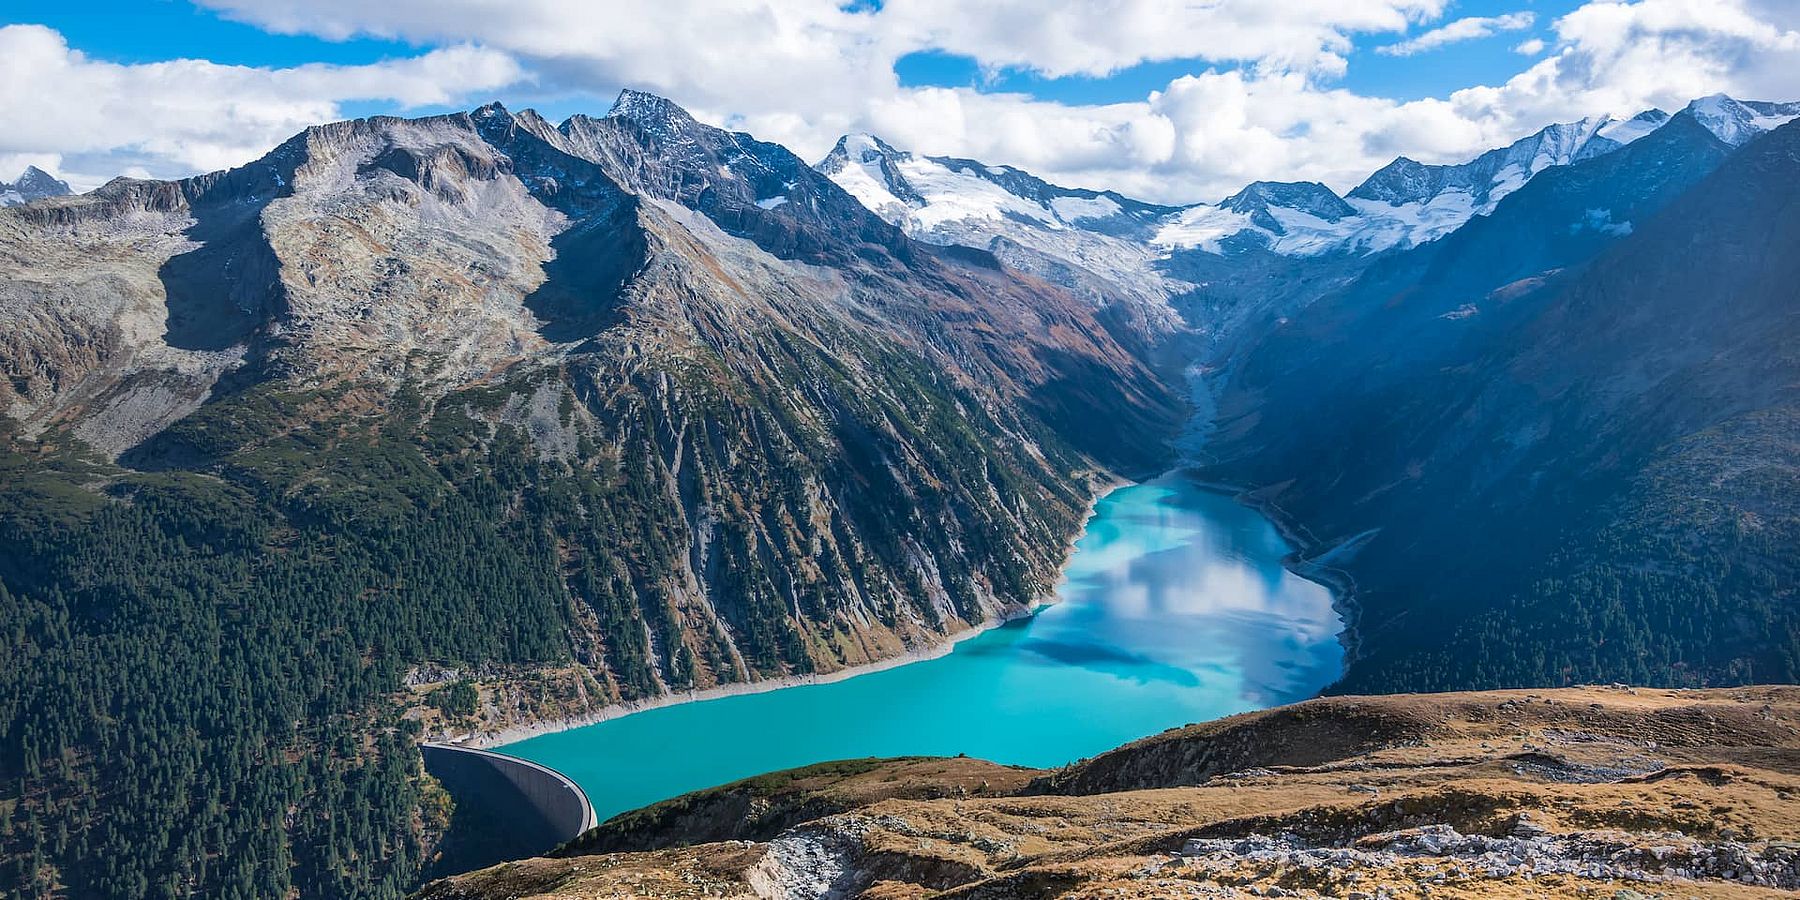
[1531, 850]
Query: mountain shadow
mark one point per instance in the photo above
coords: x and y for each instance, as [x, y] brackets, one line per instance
[220, 292]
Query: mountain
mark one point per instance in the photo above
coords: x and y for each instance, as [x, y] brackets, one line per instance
[1737, 121]
[926, 192]
[1212, 269]
[33, 184]
[1404, 204]
[1492, 175]
[1559, 793]
[1600, 374]
[1261, 199]
[575, 415]
[1092, 242]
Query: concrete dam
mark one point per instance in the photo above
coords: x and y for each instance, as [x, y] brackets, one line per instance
[506, 808]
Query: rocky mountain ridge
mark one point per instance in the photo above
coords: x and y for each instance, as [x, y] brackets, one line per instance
[1091, 242]
[1404, 204]
[483, 249]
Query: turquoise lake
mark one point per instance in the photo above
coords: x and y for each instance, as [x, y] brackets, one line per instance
[1175, 608]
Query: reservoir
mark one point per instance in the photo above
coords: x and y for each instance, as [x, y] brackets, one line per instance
[1175, 608]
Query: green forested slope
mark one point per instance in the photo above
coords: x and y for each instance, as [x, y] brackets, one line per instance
[718, 466]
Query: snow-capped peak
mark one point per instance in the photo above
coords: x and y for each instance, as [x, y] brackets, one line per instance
[33, 184]
[1624, 131]
[927, 193]
[1404, 203]
[1407, 202]
[656, 115]
[862, 147]
[869, 169]
[1737, 121]
[1067, 235]
[1493, 174]
[1309, 197]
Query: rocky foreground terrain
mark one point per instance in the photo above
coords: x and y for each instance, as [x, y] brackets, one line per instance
[1607, 792]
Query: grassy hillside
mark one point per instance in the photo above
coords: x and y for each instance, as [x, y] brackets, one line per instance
[1589, 792]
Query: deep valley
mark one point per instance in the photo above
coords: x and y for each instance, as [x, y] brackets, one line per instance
[475, 425]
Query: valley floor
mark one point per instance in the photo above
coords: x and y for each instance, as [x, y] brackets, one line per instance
[1607, 792]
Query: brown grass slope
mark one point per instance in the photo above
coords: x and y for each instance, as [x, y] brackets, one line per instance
[1577, 792]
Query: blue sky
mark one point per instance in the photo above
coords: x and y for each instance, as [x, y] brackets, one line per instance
[144, 31]
[1484, 61]
[1160, 98]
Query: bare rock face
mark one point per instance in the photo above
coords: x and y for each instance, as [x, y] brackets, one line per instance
[85, 346]
[406, 250]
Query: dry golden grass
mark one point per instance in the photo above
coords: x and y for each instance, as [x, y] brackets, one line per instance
[1637, 768]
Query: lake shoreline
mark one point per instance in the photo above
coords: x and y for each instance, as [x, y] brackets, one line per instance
[497, 740]
[1176, 607]
[1305, 559]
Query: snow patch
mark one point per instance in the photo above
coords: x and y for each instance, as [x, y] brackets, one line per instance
[1074, 209]
[1636, 127]
[1600, 220]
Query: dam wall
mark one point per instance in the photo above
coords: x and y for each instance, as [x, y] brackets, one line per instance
[505, 808]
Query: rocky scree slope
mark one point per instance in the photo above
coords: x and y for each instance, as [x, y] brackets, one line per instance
[578, 413]
[1587, 792]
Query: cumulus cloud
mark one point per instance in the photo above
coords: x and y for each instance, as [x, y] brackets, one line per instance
[1100, 38]
[1620, 58]
[90, 120]
[1469, 29]
[1264, 98]
[1530, 47]
[651, 39]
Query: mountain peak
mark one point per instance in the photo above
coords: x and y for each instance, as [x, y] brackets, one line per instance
[649, 111]
[868, 167]
[1624, 131]
[33, 184]
[1736, 121]
[1403, 180]
[860, 146]
[1309, 197]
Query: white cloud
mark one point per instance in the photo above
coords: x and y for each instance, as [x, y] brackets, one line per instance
[1469, 29]
[1530, 47]
[1263, 99]
[670, 41]
[1100, 38]
[1621, 58]
[96, 119]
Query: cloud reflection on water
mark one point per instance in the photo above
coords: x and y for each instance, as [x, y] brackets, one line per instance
[1192, 582]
